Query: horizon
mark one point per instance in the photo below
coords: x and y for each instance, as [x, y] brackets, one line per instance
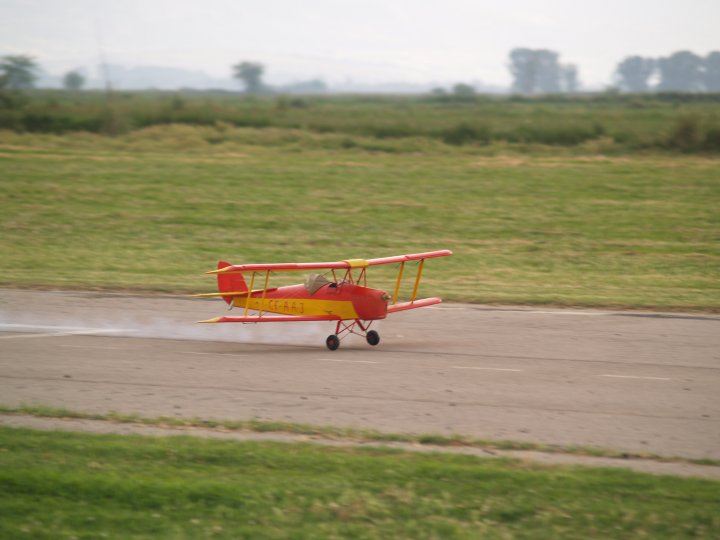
[409, 43]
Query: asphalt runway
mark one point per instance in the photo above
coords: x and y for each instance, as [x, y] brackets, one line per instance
[639, 382]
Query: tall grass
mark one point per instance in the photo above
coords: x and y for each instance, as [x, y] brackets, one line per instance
[663, 122]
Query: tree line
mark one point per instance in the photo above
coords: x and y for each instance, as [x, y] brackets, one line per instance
[19, 72]
[534, 71]
[683, 71]
[539, 71]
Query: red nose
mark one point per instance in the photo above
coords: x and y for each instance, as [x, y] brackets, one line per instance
[370, 303]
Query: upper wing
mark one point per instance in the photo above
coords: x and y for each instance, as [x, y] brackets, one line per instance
[281, 267]
[411, 257]
[349, 263]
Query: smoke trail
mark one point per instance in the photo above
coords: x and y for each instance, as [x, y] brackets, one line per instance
[157, 318]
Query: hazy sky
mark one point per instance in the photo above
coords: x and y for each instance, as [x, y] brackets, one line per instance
[366, 41]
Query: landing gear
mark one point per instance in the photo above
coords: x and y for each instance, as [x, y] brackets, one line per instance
[349, 327]
[332, 342]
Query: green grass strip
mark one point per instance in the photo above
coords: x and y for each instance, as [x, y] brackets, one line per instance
[350, 434]
[79, 485]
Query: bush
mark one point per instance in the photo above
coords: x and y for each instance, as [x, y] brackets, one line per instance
[686, 134]
[466, 133]
[114, 123]
[554, 135]
[712, 139]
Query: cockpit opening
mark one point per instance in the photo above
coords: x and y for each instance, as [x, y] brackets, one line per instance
[315, 282]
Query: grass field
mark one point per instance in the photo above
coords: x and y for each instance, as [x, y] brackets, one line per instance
[67, 485]
[155, 208]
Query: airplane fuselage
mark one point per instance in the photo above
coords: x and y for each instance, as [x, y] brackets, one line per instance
[343, 300]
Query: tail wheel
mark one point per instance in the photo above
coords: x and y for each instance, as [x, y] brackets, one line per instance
[332, 342]
[373, 338]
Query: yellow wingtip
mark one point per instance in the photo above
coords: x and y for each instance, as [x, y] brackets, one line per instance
[213, 320]
[222, 270]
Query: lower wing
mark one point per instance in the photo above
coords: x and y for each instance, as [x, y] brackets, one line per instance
[424, 302]
[273, 318]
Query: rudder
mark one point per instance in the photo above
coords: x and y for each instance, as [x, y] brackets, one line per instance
[230, 282]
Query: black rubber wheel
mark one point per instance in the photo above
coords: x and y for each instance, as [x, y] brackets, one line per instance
[332, 342]
[373, 338]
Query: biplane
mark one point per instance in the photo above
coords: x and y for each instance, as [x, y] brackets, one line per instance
[339, 294]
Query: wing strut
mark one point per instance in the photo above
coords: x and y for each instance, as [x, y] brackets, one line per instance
[262, 300]
[247, 304]
[417, 280]
[417, 277]
[397, 284]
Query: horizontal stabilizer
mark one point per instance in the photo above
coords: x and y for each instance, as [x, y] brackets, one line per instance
[424, 302]
[272, 318]
[230, 294]
[212, 294]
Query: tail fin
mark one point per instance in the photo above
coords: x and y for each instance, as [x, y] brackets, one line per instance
[230, 282]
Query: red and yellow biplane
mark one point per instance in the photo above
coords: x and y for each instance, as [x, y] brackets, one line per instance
[340, 294]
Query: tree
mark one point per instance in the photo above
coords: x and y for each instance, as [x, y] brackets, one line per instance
[463, 91]
[712, 72]
[18, 72]
[523, 68]
[570, 80]
[681, 72]
[250, 74]
[313, 86]
[634, 73]
[534, 70]
[549, 71]
[73, 81]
